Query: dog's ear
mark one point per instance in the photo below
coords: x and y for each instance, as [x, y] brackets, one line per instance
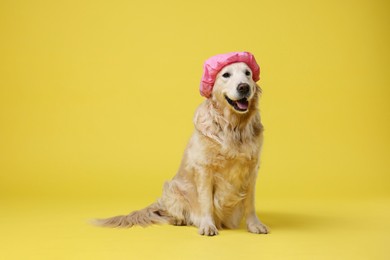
[206, 124]
[258, 90]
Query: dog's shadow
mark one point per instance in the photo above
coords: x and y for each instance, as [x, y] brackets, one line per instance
[293, 221]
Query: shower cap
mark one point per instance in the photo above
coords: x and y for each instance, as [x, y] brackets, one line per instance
[215, 64]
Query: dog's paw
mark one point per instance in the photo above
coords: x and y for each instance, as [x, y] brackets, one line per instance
[208, 230]
[258, 228]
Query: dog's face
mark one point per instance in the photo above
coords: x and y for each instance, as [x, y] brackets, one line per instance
[234, 86]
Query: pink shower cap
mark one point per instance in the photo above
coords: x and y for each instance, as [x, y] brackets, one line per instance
[215, 64]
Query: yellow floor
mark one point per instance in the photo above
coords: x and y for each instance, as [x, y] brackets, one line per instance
[301, 229]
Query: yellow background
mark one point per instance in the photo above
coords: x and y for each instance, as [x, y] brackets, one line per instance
[96, 106]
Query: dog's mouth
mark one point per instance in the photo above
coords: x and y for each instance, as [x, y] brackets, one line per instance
[240, 105]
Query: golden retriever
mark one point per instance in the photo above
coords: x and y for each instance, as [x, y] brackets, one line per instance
[214, 187]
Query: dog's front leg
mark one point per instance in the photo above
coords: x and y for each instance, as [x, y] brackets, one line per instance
[253, 223]
[204, 185]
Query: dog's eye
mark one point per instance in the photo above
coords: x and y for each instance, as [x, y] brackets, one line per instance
[247, 72]
[226, 75]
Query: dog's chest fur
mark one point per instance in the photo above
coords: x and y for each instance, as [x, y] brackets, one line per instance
[234, 167]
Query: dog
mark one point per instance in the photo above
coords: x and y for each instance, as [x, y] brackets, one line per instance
[214, 187]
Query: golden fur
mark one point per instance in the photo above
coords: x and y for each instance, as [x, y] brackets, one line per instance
[214, 187]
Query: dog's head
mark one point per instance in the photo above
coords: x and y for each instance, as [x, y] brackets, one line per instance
[234, 85]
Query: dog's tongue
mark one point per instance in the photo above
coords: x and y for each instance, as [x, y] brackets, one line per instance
[242, 104]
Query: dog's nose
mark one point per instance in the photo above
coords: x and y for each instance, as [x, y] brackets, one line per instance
[243, 89]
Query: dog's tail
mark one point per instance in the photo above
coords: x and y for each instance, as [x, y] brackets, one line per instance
[153, 214]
